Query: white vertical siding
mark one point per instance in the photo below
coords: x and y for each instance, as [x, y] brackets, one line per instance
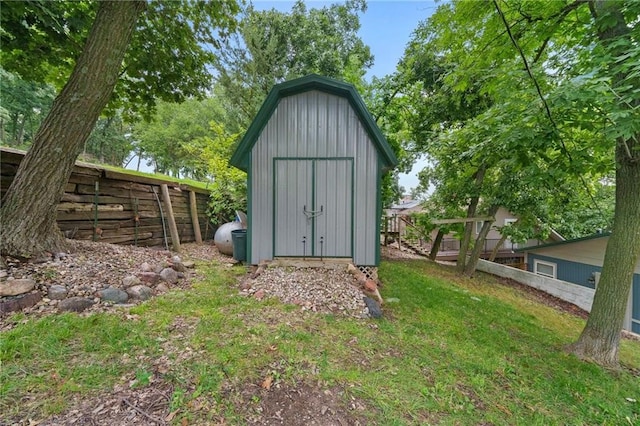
[314, 124]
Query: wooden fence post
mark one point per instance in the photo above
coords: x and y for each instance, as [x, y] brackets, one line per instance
[173, 229]
[95, 215]
[194, 217]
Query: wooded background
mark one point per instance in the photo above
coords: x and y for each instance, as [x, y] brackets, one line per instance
[119, 198]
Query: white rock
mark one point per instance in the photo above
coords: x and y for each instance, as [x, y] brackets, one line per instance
[16, 286]
[130, 281]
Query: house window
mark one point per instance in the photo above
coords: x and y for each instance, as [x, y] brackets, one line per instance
[546, 269]
[479, 227]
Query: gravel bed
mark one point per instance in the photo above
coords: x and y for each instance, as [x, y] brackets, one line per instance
[90, 267]
[323, 290]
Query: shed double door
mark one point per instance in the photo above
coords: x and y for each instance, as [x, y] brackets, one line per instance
[313, 214]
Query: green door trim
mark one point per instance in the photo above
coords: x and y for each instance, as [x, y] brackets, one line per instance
[249, 213]
[313, 207]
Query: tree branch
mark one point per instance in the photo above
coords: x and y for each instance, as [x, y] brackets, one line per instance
[387, 102]
[541, 49]
[558, 17]
[565, 151]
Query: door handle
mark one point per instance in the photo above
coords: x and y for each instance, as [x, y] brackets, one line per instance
[312, 213]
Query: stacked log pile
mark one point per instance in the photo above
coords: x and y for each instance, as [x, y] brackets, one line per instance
[117, 207]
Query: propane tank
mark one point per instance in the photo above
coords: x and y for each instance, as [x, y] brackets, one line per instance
[222, 238]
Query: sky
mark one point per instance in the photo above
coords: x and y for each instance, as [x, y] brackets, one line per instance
[386, 27]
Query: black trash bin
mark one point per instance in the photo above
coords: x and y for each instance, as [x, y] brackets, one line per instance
[239, 241]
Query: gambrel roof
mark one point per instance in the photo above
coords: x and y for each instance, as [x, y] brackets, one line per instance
[240, 157]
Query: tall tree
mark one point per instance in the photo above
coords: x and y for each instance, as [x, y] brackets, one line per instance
[273, 46]
[419, 96]
[26, 103]
[600, 339]
[28, 222]
[167, 137]
[173, 71]
[563, 78]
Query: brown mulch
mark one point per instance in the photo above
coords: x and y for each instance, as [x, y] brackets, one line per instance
[300, 405]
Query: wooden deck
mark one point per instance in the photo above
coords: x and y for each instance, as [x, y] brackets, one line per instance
[504, 255]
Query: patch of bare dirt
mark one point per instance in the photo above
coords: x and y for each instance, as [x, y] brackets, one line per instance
[300, 405]
[126, 405]
[253, 404]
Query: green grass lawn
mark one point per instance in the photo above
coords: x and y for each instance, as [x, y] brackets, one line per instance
[451, 350]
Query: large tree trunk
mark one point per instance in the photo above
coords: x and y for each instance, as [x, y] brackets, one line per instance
[496, 249]
[435, 247]
[468, 226]
[472, 261]
[28, 213]
[600, 339]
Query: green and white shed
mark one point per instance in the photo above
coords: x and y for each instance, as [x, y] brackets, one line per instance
[314, 158]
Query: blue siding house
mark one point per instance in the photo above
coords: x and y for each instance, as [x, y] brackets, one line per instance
[579, 261]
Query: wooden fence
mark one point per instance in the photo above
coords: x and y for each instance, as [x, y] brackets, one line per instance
[117, 207]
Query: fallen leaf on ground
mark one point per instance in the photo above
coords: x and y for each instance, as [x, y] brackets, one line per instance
[266, 384]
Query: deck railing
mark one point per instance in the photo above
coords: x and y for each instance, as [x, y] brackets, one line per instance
[401, 228]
